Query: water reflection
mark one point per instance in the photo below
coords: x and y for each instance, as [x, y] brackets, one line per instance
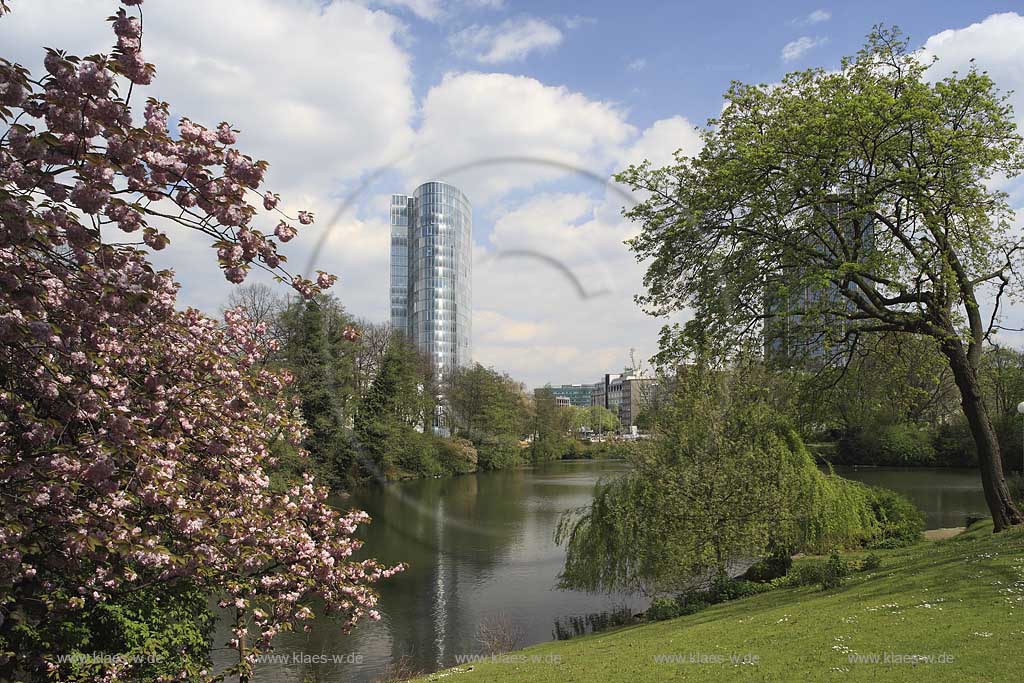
[480, 547]
[947, 497]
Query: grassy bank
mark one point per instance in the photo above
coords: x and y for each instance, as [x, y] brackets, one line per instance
[959, 599]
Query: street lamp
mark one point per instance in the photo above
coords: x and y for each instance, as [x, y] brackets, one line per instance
[1020, 409]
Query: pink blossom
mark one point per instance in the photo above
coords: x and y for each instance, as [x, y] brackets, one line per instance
[284, 231]
[94, 79]
[131, 412]
[156, 117]
[225, 134]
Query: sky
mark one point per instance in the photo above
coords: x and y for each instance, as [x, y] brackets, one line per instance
[528, 107]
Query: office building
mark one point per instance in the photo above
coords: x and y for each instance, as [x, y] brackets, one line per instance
[578, 395]
[806, 320]
[626, 395]
[599, 395]
[431, 271]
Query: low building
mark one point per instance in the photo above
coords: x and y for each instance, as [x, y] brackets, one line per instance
[625, 394]
[578, 395]
[599, 394]
[637, 396]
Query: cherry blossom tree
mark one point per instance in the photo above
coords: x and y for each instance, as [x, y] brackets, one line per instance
[136, 439]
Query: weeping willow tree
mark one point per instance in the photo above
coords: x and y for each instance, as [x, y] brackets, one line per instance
[724, 480]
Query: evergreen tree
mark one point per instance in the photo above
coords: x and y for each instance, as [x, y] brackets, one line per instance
[393, 421]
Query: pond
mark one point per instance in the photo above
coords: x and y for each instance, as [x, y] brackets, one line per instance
[480, 549]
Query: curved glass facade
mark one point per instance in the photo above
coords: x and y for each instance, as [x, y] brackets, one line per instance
[431, 271]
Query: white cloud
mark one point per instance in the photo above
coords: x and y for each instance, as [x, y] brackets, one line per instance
[322, 92]
[638, 64]
[816, 17]
[513, 131]
[996, 46]
[491, 327]
[555, 288]
[658, 143]
[424, 9]
[437, 10]
[511, 41]
[577, 20]
[794, 49]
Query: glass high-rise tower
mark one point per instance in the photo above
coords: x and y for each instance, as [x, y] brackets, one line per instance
[431, 268]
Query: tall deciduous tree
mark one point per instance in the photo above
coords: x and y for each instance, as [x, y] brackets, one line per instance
[600, 419]
[488, 408]
[550, 425]
[860, 198]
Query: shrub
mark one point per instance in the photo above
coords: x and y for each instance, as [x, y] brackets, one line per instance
[870, 563]
[498, 452]
[834, 572]
[971, 520]
[692, 607]
[458, 456]
[416, 453]
[498, 635]
[663, 608]
[807, 573]
[1009, 435]
[769, 568]
[900, 522]
[906, 444]
[1016, 484]
[722, 589]
[814, 572]
[839, 516]
[165, 630]
[726, 588]
[954, 445]
[892, 444]
[574, 450]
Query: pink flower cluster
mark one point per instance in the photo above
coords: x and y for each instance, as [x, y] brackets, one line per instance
[77, 136]
[135, 439]
[129, 48]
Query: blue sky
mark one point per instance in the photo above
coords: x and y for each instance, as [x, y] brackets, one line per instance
[689, 50]
[334, 92]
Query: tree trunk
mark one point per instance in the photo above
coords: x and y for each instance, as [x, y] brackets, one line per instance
[990, 462]
[244, 667]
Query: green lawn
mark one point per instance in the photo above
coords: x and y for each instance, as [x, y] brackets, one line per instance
[961, 598]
